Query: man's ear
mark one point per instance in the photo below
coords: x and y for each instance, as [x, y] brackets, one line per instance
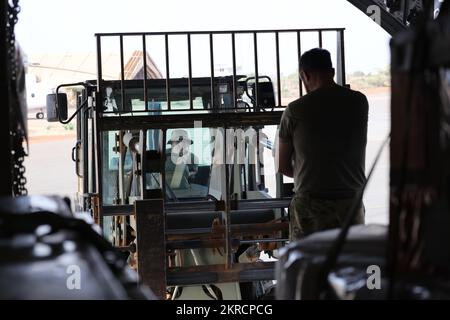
[304, 76]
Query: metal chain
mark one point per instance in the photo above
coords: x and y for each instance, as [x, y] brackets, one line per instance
[19, 180]
[17, 133]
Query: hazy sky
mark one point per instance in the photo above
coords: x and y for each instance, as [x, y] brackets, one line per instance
[47, 26]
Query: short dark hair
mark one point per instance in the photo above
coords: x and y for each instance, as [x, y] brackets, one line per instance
[316, 60]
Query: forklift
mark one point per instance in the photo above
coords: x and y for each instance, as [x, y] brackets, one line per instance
[175, 170]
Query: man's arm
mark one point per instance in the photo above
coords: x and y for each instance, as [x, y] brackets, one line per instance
[285, 148]
[285, 157]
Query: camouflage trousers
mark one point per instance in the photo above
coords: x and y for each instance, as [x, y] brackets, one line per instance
[309, 215]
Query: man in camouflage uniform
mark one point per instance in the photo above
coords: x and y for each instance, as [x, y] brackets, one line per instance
[322, 143]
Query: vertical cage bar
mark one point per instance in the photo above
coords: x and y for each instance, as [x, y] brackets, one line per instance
[344, 80]
[320, 38]
[277, 49]
[143, 160]
[211, 54]
[191, 103]
[258, 162]
[122, 75]
[340, 58]
[166, 38]
[97, 175]
[233, 53]
[299, 54]
[144, 61]
[255, 50]
[163, 155]
[121, 168]
[85, 146]
[99, 63]
[97, 157]
[261, 164]
[228, 247]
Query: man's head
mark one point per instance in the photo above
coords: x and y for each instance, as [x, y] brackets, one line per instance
[180, 143]
[180, 136]
[316, 69]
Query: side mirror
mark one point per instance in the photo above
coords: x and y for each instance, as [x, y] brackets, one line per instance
[266, 95]
[54, 113]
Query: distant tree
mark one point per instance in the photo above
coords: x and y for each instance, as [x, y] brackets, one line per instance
[358, 74]
[357, 79]
[380, 78]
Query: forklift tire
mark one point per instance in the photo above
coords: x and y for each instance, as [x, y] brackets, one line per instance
[40, 115]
